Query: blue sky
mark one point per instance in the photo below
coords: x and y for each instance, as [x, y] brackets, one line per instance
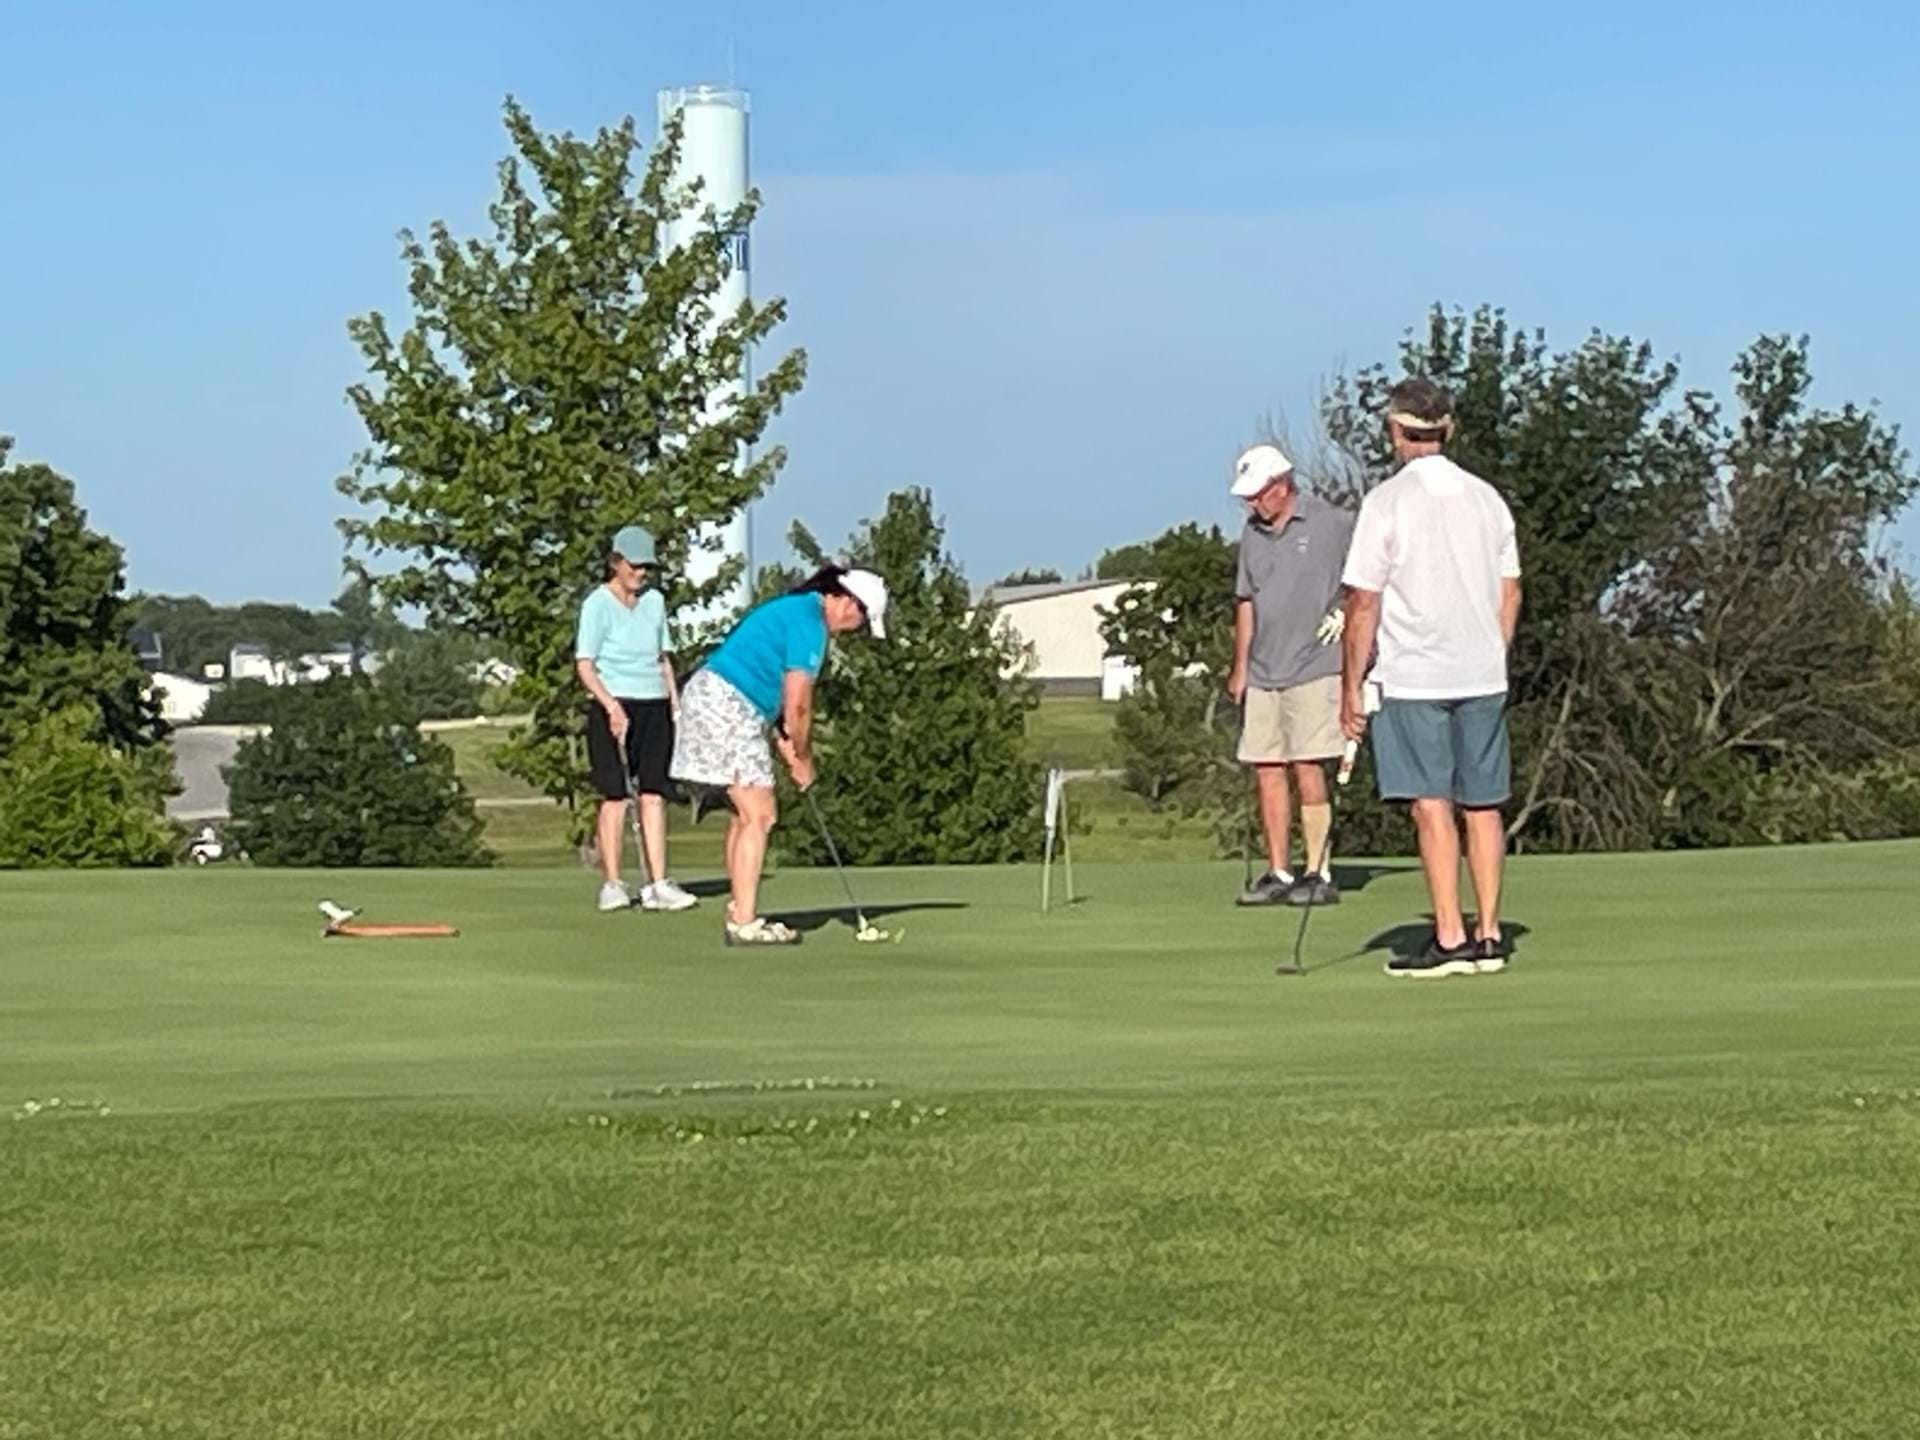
[1056, 261]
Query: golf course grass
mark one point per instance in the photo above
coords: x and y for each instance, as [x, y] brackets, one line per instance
[1095, 1173]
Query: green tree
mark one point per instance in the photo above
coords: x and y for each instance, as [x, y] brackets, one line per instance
[554, 384]
[345, 778]
[1773, 645]
[1602, 458]
[923, 735]
[434, 676]
[1028, 577]
[1711, 649]
[367, 623]
[1125, 562]
[64, 616]
[1176, 729]
[245, 702]
[84, 771]
[68, 799]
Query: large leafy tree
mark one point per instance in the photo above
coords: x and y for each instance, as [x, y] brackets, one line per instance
[1775, 679]
[1712, 650]
[556, 381]
[84, 775]
[922, 736]
[64, 615]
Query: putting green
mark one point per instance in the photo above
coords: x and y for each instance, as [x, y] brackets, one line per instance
[1100, 1173]
[168, 990]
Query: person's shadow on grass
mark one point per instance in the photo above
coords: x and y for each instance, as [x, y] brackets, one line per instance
[1400, 941]
[1362, 873]
[807, 921]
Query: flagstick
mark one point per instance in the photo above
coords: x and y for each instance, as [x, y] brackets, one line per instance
[1066, 839]
[1046, 875]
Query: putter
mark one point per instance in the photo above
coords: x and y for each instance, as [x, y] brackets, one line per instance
[1345, 773]
[1246, 850]
[1246, 830]
[867, 932]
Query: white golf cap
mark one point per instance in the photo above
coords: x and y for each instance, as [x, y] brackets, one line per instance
[871, 591]
[1259, 468]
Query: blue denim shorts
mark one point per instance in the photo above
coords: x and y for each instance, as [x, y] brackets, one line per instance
[1444, 750]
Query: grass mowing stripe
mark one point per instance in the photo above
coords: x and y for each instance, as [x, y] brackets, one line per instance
[1211, 1267]
[556, 1178]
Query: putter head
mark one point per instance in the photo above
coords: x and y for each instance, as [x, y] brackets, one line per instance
[1284, 968]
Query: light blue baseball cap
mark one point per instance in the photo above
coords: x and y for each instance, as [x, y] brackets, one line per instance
[635, 545]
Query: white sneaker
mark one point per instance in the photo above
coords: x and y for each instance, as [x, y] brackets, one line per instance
[665, 895]
[614, 896]
[760, 932]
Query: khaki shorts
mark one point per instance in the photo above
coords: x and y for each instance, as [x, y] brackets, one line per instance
[1301, 722]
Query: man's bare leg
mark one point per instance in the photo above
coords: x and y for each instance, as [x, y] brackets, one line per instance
[1486, 857]
[1440, 857]
[1276, 813]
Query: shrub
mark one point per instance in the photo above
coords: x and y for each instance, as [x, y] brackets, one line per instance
[345, 779]
[68, 797]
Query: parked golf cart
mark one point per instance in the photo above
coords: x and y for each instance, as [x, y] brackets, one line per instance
[206, 847]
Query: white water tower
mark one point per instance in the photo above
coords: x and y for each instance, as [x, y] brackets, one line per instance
[713, 148]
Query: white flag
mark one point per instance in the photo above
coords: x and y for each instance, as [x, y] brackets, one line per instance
[1056, 782]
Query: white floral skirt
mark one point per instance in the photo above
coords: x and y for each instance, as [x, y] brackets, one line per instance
[720, 738]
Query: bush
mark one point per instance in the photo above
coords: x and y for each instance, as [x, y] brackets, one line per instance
[345, 779]
[243, 702]
[70, 798]
[1162, 730]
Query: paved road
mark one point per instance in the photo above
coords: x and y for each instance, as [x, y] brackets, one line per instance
[199, 752]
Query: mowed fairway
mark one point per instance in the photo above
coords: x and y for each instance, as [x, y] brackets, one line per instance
[1660, 1179]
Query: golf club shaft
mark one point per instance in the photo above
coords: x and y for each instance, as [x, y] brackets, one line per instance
[639, 835]
[833, 853]
[1347, 758]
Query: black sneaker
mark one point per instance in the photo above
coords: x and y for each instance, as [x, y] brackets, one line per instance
[1271, 888]
[1315, 890]
[1491, 956]
[1437, 961]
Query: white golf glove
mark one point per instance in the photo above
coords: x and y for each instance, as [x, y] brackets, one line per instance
[1333, 626]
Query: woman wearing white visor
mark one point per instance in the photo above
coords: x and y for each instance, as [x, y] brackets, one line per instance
[762, 675]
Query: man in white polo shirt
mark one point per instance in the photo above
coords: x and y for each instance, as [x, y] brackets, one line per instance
[1434, 576]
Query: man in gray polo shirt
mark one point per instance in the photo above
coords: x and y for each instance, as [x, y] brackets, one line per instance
[1286, 669]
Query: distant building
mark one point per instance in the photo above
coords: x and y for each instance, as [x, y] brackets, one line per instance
[1061, 625]
[183, 699]
[149, 650]
[255, 662]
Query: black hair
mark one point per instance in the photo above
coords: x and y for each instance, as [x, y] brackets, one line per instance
[824, 581]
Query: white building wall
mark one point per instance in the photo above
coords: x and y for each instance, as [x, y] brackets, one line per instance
[1063, 631]
[182, 698]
